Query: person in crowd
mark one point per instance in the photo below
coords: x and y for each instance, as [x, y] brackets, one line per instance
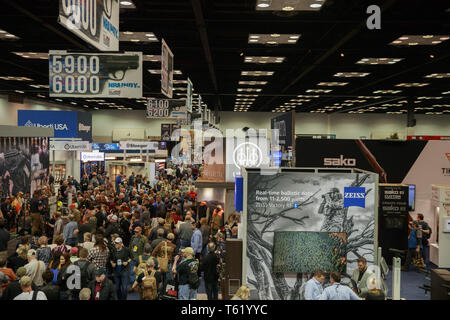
[87, 271]
[243, 293]
[211, 276]
[63, 274]
[44, 253]
[313, 287]
[149, 281]
[137, 244]
[185, 232]
[204, 229]
[197, 240]
[373, 290]
[60, 246]
[35, 268]
[160, 238]
[160, 226]
[120, 262]
[187, 271]
[27, 291]
[73, 254]
[338, 291]
[85, 294]
[87, 241]
[70, 232]
[88, 227]
[99, 254]
[414, 245]
[13, 289]
[20, 259]
[102, 288]
[113, 227]
[360, 277]
[216, 220]
[51, 290]
[8, 272]
[4, 238]
[426, 235]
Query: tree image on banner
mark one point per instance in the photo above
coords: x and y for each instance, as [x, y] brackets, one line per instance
[262, 223]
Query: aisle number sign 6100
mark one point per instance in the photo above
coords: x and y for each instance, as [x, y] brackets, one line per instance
[166, 108]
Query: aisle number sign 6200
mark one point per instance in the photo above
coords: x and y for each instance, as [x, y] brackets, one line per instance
[108, 75]
[166, 108]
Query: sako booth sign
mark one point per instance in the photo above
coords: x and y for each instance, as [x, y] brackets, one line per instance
[66, 124]
[92, 156]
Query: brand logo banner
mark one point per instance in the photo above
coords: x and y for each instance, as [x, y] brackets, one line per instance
[92, 156]
[64, 123]
[354, 197]
[137, 145]
[94, 21]
[84, 75]
[106, 146]
[85, 126]
[166, 70]
[70, 146]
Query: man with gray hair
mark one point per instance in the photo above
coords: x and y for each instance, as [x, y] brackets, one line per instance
[27, 291]
[211, 277]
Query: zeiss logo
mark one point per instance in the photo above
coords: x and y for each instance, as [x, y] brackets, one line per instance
[132, 85]
[354, 197]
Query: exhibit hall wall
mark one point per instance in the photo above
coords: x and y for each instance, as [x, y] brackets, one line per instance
[345, 126]
[296, 201]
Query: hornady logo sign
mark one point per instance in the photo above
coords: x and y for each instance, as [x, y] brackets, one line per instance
[55, 126]
[339, 162]
[354, 197]
[446, 171]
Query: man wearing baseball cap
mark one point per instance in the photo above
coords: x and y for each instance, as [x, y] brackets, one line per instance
[187, 271]
[120, 261]
[102, 288]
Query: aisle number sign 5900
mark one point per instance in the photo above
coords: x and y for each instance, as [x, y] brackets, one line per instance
[95, 75]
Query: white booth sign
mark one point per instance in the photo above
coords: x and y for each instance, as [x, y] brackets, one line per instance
[70, 146]
[137, 145]
[92, 156]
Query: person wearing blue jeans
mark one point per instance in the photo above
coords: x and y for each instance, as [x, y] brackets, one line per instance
[188, 265]
[120, 262]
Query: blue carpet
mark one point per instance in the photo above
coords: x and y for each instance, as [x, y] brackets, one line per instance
[409, 284]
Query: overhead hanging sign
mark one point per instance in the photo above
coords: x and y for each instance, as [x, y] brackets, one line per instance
[105, 75]
[70, 146]
[166, 108]
[190, 91]
[94, 21]
[92, 156]
[166, 70]
[138, 145]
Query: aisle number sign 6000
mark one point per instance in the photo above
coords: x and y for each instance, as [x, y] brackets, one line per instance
[86, 75]
[166, 108]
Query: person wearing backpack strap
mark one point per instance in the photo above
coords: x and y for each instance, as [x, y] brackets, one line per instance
[187, 271]
[149, 282]
[27, 292]
[87, 272]
[137, 245]
[426, 235]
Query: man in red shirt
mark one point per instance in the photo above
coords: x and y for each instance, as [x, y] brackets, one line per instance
[192, 195]
[102, 288]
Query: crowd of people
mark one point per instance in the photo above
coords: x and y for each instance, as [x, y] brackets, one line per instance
[97, 239]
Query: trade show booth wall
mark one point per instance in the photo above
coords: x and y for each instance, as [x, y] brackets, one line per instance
[298, 220]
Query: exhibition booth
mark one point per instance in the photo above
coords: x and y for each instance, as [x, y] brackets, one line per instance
[299, 220]
[24, 159]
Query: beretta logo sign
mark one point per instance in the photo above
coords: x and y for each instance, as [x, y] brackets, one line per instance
[354, 197]
[446, 171]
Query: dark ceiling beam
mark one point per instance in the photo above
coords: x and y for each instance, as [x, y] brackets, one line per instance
[200, 21]
[32, 16]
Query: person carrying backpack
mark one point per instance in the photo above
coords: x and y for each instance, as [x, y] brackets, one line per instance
[187, 271]
[87, 272]
[137, 245]
[148, 282]
[140, 262]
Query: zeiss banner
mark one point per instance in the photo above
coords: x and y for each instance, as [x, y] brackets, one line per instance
[66, 124]
[106, 75]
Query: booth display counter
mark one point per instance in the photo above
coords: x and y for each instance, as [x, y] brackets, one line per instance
[440, 238]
